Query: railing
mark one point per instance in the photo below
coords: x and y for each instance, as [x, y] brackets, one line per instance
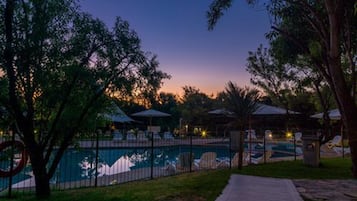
[107, 160]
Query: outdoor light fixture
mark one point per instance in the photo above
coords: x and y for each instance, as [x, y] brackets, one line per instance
[204, 134]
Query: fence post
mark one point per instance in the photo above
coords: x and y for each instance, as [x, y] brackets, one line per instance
[11, 163]
[152, 155]
[191, 153]
[264, 149]
[294, 146]
[230, 152]
[96, 159]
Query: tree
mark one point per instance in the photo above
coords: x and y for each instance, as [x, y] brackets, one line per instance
[242, 102]
[195, 106]
[169, 103]
[60, 65]
[331, 28]
[276, 79]
[285, 76]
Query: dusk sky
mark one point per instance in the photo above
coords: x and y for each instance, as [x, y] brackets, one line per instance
[176, 30]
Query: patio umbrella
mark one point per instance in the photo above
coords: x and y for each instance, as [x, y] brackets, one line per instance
[333, 114]
[150, 114]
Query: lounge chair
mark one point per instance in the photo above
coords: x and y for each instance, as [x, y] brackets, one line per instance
[260, 159]
[297, 136]
[268, 135]
[117, 136]
[208, 161]
[235, 161]
[141, 136]
[130, 136]
[184, 161]
[336, 141]
[155, 136]
[251, 135]
[342, 151]
[168, 136]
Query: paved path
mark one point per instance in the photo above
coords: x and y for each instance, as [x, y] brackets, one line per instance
[329, 190]
[252, 188]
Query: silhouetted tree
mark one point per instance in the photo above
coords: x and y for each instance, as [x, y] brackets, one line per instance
[331, 27]
[242, 103]
[59, 65]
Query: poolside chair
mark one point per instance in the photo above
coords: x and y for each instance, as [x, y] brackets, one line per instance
[168, 136]
[208, 160]
[117, 136]
[141, 136]
[184, 161]
[251, 134]
[268, 135]
[260, 159]
[130, 136]
[234, 161]
[298, 136]
[340, 151]
[156, 136]
[336, 141]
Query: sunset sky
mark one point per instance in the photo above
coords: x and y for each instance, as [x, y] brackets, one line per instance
[176, 30]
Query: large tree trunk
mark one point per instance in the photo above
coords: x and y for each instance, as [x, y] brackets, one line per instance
[41, 177]
[342, 93]
[353, 146]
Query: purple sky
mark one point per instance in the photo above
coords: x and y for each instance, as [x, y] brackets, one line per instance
[176, 30]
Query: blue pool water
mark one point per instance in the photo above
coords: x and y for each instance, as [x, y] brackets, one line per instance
[78, 164]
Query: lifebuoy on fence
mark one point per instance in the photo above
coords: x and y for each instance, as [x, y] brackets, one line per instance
[21, 164]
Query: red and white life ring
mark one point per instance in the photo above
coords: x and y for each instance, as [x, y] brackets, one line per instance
[21, 164]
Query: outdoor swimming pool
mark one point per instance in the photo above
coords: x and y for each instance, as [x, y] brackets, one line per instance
[79, 164]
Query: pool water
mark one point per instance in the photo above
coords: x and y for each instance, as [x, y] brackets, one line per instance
[79, 164]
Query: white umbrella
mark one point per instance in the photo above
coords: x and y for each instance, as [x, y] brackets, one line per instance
[333, 114]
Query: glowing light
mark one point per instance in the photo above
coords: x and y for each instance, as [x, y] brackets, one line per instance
[289, 134]
[204, 133]
[268, 134]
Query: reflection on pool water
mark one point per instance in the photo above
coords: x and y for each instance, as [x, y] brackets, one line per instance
[78, 164]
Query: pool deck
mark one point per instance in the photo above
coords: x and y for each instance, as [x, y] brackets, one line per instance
[148, 143]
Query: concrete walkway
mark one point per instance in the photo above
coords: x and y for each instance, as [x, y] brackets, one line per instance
[252, 188]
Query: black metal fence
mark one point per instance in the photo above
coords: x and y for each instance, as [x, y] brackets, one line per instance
[118, 157]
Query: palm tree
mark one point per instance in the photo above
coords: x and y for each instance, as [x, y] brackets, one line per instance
[242, 103]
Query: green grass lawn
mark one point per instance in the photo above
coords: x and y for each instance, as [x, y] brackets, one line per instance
[199, 186]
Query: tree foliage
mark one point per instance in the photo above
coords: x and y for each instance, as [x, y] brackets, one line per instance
[60, 65]
[278, 80]
[242, 102]
[195, 106]
[324, 33]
